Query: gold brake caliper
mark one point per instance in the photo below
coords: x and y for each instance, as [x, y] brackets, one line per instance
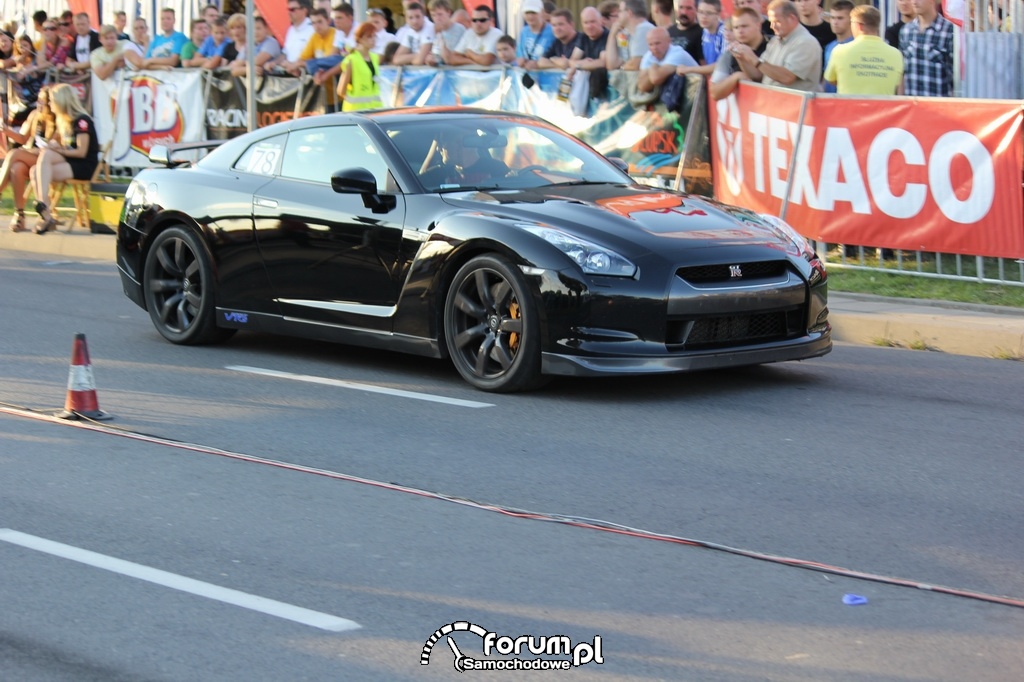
[513, 338]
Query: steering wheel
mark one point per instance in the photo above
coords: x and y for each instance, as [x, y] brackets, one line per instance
[532, 167]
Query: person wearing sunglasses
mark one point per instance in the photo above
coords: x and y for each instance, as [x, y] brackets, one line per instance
[299, 32]
[66, 28]
[477, 46]
[55, 49]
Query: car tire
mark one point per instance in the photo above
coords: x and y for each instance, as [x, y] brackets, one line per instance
[491, 326]
[178, 286]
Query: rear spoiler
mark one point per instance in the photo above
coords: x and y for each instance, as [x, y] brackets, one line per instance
[163, 153]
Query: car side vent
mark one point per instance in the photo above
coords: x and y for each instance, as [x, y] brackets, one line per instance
[732, 272]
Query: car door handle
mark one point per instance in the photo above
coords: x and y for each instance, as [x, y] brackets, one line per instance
[266, 203]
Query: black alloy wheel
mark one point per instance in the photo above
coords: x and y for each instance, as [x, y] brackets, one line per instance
[491, 326]
[178, 285]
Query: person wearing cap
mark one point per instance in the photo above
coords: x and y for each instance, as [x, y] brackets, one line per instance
[299, 32]
[535, 38]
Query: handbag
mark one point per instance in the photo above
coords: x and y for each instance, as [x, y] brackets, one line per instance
[673, 92]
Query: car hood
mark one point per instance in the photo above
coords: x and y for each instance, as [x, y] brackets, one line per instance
[631, 219]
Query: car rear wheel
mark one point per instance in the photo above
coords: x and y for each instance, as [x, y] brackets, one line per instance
[491, 326]
[179, 290]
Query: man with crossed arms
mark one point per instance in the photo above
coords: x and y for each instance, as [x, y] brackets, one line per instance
[793, 57]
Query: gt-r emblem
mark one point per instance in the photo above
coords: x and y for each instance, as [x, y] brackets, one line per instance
[734, 271]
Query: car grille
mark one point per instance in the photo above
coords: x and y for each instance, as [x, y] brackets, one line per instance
[734, 330]
[719, 272]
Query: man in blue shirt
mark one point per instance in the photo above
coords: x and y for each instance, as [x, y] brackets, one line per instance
[165, 48]
[839, 20]
[536, 36]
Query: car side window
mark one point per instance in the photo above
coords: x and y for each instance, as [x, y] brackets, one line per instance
[314, 154]
[263, 157]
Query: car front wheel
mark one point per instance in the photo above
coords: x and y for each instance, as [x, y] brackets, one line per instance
[491, 326]
[179, 288]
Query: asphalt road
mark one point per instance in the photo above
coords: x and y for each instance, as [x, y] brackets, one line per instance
[888, 461]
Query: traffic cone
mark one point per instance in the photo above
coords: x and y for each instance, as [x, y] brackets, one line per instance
[81, 400]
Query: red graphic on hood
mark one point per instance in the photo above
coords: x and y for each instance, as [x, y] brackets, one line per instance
[657, 201]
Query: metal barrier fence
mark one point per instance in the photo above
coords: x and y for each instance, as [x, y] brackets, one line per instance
[1002, 271]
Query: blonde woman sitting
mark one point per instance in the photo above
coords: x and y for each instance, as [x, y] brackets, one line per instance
[74, 158]
[18, 162]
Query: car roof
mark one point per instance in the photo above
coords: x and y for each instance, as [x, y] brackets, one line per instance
[405, 114]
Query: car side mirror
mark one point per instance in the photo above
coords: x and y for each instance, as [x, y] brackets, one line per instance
[362, 182]
[354, 181]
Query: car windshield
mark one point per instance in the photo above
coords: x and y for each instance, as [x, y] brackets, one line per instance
[496, 153]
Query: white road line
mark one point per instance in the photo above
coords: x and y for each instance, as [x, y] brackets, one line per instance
[356, 386]
[174, 581]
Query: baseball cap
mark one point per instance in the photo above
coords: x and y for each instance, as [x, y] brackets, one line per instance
[532, 6]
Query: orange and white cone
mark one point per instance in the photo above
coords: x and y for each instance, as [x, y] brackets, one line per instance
[81, 400]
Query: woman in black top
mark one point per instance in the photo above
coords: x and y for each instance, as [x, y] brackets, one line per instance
[76, 158]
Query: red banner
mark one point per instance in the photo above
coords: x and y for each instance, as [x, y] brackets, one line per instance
[275, 13]
[905, 173]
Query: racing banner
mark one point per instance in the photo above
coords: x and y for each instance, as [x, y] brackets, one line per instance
[277, 99]
[915, 174]
[139, 109]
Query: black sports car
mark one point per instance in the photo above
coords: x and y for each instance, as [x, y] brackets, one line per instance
[491, 238]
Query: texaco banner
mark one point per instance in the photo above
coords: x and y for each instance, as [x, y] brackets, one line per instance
[927, 174]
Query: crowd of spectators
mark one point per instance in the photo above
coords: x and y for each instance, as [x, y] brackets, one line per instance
[787, 43]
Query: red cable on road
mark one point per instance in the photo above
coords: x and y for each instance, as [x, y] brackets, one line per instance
[579, 522]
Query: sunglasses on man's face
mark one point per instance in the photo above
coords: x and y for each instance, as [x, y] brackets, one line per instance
[480, 21]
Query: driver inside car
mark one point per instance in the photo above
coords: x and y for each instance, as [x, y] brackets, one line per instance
[457, 159]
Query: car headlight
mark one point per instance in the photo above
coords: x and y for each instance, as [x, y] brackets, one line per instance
[134, 200]
[593, 259]
[801, 243]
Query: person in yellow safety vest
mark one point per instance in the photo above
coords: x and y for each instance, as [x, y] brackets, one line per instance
[358, 83]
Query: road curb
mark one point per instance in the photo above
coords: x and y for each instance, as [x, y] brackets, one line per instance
[75, 244]
[981, 331]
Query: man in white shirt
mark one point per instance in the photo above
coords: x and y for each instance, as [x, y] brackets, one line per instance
[415, 34]
[478, 46]
[300, 31]
[86, 40]
[661, 60]
[382, 37]
[344, 27]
